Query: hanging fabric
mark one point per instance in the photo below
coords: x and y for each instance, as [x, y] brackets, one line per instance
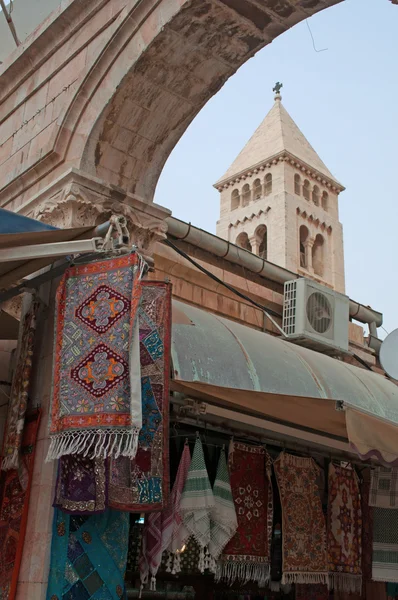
[303, 522]
[161, 529]
[384, 488]
[385, 545]
[81, 485]
[197, 501]
[344, 530]
[367, 533]
[142, 484]
[20, 389]
[223, 519]
[247, 556]
[14, 505]
[96, 406]
[88, 556]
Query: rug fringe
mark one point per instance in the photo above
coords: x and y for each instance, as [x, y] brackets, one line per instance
[304, 578]
[11, 461]
[94, 444]
[244, 572]
[345, 582]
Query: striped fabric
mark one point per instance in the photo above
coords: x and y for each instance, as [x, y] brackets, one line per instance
[223, 519]
[384, 488]
[385, 545]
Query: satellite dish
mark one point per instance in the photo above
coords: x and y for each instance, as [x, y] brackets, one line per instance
[389, 354]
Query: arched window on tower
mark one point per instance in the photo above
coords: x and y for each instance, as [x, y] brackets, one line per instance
[306, 189]
[262, 241]
[317, 255]
[315, 195]
[257, 190]
[268, 184]
[243, 241]
[246, 194]
[235, 199]
[297, 184]
[325, 200]
[304, 233]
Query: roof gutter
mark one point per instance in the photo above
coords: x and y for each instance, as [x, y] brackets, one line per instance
[204, 240]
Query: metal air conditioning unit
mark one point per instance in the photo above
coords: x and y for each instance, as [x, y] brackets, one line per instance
[315, 316]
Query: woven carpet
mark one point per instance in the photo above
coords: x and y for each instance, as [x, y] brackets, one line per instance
[14, 504]
[142, 484]
[246, 557]
[303, 522]
[344, 530]
[96, 405]
[19, 390]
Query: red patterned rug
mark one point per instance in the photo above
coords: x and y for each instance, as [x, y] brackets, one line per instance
[14, 503]
[303, 522]
[247, 556]
[344, 530]
[141, 484]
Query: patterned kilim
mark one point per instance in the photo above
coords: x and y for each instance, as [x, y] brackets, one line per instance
[96, 406]
[88, 556]
[344, 530]
[223, 519]
[318, 591]
[367, 534]
[247, 556]
[304, 528]
[81, 485]
[141, 484]
[14, 503]
[20, 390]
[197, 501]
[384, 488]
[385, 545]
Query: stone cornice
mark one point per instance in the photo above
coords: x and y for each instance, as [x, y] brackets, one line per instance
[283, 156]
[314, 219]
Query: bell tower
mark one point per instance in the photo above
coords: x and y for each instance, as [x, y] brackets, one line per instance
[280, 201]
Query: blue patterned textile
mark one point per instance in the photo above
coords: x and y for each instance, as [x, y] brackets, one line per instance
[88, 556]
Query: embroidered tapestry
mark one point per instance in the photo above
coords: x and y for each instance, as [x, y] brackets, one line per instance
[247, 556]
[20, 390]
[142, 484]
[81, 486]
[384, 488]
[317, 591]
[344, 530]
[303, 522]
[14, 504]
[96, 405]
[88, 556]
[385, 545]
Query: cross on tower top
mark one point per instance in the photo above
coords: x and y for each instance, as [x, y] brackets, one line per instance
[277, 89]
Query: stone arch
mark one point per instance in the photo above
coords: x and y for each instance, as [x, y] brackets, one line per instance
[316, 195]
[297, 184]
[325, 201]
[303, 246]
[268, 184]
[261, 234]
[235, 199]
[243, 241]
[318, 250]
[306, 189]
[246, 195]
[257, 189]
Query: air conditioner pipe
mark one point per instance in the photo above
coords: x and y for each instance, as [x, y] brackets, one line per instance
[186, 232]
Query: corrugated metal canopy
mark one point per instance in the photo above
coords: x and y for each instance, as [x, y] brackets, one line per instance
[210, 349]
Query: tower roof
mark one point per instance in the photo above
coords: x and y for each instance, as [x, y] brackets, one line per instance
[277, 133]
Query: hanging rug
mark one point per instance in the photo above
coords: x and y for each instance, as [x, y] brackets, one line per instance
[246, 557]
[344, 530]
[304, 556]
[96, 404]
[141, 484]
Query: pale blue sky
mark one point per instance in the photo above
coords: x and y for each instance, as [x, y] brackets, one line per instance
[345, 100]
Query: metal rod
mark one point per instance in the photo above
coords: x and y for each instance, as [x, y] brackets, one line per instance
[10, 22]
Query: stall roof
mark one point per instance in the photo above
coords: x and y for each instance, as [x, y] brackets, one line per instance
[209, 349]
